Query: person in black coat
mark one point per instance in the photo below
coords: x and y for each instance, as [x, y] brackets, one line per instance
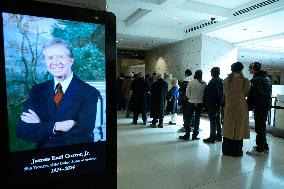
[212, 100]
[159, 91]
[259, 100]
[138, 100]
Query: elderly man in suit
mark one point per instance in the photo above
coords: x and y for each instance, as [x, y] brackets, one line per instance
[61, 111]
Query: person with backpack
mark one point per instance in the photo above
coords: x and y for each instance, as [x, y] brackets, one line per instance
[259, 100]
[183, 99]
[195, 91]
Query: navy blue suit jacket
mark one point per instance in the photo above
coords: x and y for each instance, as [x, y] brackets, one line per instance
[79, 103]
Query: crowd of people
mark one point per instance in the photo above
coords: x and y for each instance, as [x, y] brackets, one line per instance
[227, 103]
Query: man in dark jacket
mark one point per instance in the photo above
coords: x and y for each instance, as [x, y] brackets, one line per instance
[138, 105]
[158, 99]
[259, 100]
[213, 96]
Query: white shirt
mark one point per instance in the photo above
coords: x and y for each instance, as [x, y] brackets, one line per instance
[195, 91]
[188, 78]
[65, 84]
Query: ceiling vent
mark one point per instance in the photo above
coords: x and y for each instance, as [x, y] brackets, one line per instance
[253, 7]
[130, 54]
[200, 26]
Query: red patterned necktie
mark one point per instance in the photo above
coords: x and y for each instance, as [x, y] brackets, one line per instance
[58, 95]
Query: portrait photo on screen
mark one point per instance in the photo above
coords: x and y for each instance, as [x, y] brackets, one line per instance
[55, 80]
[58, 70]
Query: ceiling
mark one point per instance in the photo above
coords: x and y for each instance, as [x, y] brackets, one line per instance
[256, 27]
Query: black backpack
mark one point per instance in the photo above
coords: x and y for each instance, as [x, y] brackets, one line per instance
[182, 93]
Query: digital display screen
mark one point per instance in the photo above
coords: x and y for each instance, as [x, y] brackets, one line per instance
[56, 96]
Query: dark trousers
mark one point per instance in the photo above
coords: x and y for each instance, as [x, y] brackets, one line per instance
[136, 114]
[260, 116]
[154, 121]
[232, 147]
[185, 112]
[120, 103]
[194, 109]
[215, 122]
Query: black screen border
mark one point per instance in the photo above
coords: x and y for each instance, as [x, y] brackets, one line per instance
[40, 9]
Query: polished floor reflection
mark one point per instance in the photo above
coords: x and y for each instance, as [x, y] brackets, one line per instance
[153, 158]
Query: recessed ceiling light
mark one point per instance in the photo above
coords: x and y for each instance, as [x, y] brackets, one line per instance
[121, 39]
[153, 41]
[176, 18]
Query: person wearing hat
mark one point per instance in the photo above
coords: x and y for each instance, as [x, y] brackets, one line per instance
[259, 100]
[236, 115]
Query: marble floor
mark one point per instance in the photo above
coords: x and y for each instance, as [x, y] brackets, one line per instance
[153, 158]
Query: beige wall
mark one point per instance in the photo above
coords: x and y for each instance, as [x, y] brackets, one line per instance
[175, 58]
[123, 65]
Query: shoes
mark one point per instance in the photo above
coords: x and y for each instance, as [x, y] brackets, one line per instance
[218, 139]
[255, 153]
[265, 150]
[195, 138]
[182, 130]
[209, 140]
[145, 123]
[160, 126]
[134, 122]
[171, 123]
[185, 137]
[153, 126]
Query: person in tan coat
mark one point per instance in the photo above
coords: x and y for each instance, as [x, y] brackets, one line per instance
[126, 93]
[236, 115]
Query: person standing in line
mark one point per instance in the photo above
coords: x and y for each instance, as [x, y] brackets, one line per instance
[172, 101]
[195, 92]
[138, 105]
[259, 100]
[126, 93]
[213, 97]
[158, 99]
[149, 82]
[236, 117]
[168, 78]
[183, 99]
[119, 97]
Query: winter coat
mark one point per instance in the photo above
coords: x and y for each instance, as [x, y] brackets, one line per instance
[236, 116]
[125, 91]
[260, 92]
[213, 94]
[138, 99]
[172, 100]
[158, 98]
